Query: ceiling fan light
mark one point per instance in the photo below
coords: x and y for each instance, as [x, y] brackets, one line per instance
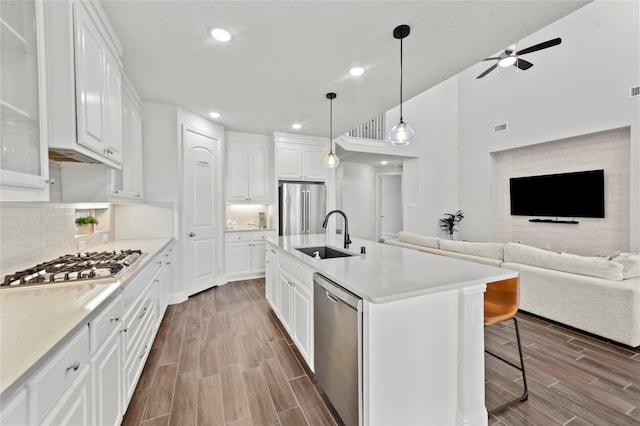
[331, 161]
[507, 61]
[401, 134]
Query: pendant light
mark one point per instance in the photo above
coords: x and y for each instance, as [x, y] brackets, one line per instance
[401, 133]
[331, 160]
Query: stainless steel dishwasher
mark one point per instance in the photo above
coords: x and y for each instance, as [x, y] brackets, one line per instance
[337, 316]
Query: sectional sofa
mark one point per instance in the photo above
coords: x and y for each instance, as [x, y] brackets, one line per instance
[594, 294]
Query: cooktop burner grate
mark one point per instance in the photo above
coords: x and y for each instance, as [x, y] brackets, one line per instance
[78, 267]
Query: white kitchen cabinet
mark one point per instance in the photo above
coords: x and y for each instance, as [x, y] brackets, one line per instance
[295, 305]
[98, 89]
[248, 168]
[300, 157]
[55, 387]
[84, 59]
[162, 283]
[272, 273]
[127, 183]
[24, 163]
[75, 405]
[14, 409]
[245, 253]
[106, 364]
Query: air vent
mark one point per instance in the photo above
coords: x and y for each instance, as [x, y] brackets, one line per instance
[634, 91]
[499, 127]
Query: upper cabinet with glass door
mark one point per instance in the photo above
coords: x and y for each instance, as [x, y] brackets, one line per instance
[23, 152]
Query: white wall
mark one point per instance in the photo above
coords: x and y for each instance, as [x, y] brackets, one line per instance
[577, 88]
[359, 199]
[430, 182]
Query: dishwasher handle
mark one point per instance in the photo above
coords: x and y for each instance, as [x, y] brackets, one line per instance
[336, 293]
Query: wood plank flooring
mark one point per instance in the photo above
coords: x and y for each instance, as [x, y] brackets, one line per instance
[222, 358]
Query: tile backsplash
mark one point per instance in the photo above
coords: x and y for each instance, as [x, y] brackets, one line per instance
[32, 232]
[143, 220]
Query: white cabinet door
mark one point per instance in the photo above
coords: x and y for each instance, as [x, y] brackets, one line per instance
[75, 405]
[238, 258]
[24, 162]
[91, 103]
[272, 277]
[313, 167]
[128, 182]
[237, 173]
[289, 160]
[14, 411]
[113, 109]
[258, 256]
[302, 320]
[258, 173]
[106, 366]
[285, 311]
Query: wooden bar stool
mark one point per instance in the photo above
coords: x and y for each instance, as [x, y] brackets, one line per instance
[501, 301]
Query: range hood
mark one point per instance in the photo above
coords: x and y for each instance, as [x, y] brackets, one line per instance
[70, 155]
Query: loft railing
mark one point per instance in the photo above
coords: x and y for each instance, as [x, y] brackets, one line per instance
[370, 129]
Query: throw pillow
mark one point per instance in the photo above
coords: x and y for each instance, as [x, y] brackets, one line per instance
[630, 265]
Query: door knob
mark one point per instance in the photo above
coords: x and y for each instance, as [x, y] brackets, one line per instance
[192, 234]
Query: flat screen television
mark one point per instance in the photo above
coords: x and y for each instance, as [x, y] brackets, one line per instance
[578, 194]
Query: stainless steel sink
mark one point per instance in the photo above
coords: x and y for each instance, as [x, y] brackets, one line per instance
[324, 252]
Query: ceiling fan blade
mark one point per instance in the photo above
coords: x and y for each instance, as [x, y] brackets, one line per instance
[540, 46]
[494, 58]
[522, 64]
[491, 68]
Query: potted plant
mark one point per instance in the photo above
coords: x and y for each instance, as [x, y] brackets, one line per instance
[450, 220]
[86, 224]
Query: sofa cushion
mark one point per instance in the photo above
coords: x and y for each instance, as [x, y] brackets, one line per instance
[417, 239]
[592, 267]
[491, 250]
[630, 265]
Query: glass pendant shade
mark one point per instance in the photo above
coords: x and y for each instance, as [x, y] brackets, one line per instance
[401, 134]
[331, 161]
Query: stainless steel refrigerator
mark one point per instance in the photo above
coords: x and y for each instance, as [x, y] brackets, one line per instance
[302, 207]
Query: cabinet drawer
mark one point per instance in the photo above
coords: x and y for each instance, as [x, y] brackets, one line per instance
[105, 323]
[136, 316]
[238, 236]
[135, 360]
[263, 235]
[298, 272]
[133, 289]
[56, 375]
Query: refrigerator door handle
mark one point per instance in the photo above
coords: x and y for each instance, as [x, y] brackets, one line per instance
[308, 208]
[303, 212]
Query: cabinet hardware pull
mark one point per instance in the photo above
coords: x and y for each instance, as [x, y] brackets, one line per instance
[159, 262]
[168, 263]
[124, 330]
[74, 366]
[144, 312]
[192, 234]
[115, 319]
[144, 351]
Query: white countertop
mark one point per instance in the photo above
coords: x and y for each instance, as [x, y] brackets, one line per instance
[247, 228]
[386, 273]
[36, 320]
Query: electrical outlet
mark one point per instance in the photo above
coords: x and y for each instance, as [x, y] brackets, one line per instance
[81, 245]
[105, 238]
[413, 205]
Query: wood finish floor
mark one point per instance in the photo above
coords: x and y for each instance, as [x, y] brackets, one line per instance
[222, 358]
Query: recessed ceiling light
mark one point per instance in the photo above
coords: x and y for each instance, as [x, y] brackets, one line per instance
[220, 34]
[383, 162]
[356, 71]
[296, 126]
[214, 114]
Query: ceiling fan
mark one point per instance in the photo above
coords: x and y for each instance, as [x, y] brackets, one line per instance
[511, 56]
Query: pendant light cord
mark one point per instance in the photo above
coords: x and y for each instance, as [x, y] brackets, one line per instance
[331, 126]
[401, 80]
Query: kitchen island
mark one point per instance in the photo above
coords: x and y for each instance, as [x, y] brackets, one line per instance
[422, 331]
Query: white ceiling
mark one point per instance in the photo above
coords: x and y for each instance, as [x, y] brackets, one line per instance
[285, 55]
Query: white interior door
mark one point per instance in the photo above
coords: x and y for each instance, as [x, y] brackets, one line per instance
[199, 157]
[389, 206]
